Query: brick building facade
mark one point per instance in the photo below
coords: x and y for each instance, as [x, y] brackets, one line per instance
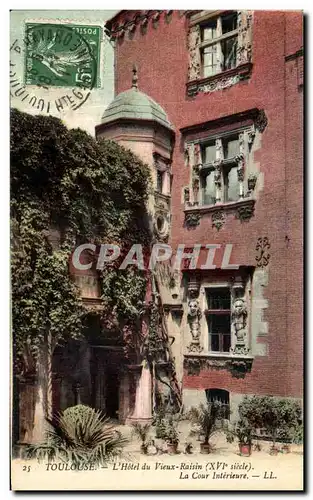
[227, 166]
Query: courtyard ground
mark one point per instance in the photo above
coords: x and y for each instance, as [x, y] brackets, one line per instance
[223, 469]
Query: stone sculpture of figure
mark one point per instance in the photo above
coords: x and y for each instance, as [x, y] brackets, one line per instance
[194, 315]
[239, 315]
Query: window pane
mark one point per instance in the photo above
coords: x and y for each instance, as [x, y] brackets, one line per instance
[231, 147]
[226, 343]
[215, 343]
[159, 181]
[229, 23]
[231, 185]
[209, 31]
[208, 191]
[218, 298]
[210, 66]
[229, 49]
[209, 153]
[219, 323]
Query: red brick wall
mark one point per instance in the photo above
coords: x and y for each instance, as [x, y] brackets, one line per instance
[162, 59]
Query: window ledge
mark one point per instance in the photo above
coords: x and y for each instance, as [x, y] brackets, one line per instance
[244, 210]
[219, 81]
[237, 364]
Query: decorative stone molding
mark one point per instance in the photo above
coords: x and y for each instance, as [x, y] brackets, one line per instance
[261, 121]
[239, 366]
[192, 219]
[155, 19]
[245, 211]
[263, 256]
[252, 179]
[194, 316]
[194, 39]
[140, 18]
[244, 46]
[218, 219]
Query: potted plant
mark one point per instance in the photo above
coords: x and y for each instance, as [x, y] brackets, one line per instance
[142, 431]
[208, 418]
[243, 432]
[171, 435]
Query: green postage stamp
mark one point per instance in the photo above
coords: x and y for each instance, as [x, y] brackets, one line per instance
[62, 55]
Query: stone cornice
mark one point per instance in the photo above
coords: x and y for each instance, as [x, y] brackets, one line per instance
[238, 365]
[244, 210]
[235, 119]
[117, 29]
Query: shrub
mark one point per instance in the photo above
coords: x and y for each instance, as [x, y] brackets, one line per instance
[80, 435]
[278, 416]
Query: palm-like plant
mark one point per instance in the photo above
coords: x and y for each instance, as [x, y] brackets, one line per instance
[142, 432]
[80, 435]
[208, 418]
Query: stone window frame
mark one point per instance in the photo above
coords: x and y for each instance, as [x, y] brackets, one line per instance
[238, 283]
[249, 125]
[196, 82]
[246, 180]
[220, 165]
[240, 289]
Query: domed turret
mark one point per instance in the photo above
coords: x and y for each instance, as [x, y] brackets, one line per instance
[135, 105]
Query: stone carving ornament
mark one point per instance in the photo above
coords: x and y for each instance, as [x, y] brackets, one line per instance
[218, 219]
[263, 256]
[194, 38]
[244, 47]
[194, 316]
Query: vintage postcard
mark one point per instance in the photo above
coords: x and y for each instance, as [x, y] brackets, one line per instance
[156, 250]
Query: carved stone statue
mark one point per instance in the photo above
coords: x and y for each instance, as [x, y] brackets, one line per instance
[194, 315]
[239, 321]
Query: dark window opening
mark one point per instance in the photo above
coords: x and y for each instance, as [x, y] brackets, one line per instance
[229, 23]
[221, 396]
[219, 319]
[229, 50]
[159, 186]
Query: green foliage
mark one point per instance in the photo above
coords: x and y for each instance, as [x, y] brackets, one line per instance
[297, 435]
[242, 431]
[84, 190]
[209, 419]
[79, 436]
[278, 416]
[141, 431]
[169, 430]
[166, 425]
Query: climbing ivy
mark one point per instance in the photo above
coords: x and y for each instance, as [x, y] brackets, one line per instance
[86, 190]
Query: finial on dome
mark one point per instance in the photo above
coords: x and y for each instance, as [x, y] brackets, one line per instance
[135, 77]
